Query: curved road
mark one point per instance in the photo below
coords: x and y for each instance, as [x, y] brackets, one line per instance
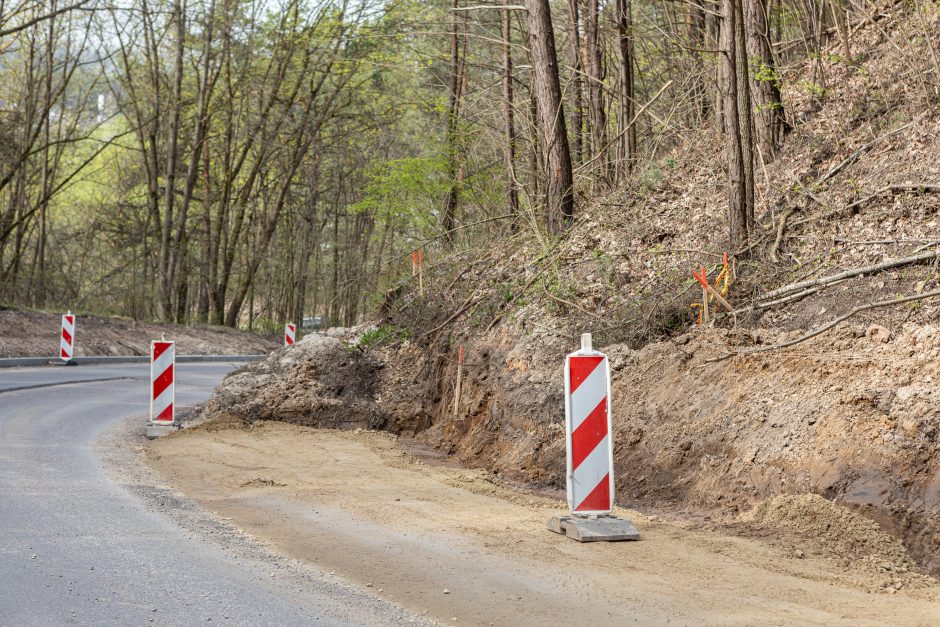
[77, 548]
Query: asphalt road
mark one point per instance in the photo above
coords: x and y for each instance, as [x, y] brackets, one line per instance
[78, 546]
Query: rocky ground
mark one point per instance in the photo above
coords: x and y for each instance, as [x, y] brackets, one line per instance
[36, 334]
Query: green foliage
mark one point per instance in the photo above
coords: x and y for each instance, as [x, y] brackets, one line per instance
[383, 334]
[406, 191]
[817, 91]
[765, 73]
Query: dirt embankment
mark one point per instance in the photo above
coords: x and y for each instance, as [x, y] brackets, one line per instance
[462, 545]
[854, 417]
[36, 334]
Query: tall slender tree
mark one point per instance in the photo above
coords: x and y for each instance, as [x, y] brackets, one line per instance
[553, 137]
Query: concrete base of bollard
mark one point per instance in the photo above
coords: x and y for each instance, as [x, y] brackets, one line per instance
[599, 529]
[158, 429]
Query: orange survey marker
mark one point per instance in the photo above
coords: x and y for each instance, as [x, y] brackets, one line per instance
[709, 292]
[703, 280]
[708, 289]
[414, 262]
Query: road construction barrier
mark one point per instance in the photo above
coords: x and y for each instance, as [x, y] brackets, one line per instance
[590, 475]
[290, 332]
[162, 382]
[67, 337]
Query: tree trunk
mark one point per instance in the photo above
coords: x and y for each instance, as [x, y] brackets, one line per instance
[553, 138]
[770, 124]
[575, 91]
[453, 102]
[597, 118]
[512, 193]
[166, 253]
[745, 118]
[697, 39]
[627, 150]
[734, 155]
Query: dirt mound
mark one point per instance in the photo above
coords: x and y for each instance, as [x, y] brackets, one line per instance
[840, 534]
[319, 381]
[853, 416]
[36, 334]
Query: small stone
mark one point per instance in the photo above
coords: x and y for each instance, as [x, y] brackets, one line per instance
[878, 334]
[369, 585]
[446, 591]
[799, 554]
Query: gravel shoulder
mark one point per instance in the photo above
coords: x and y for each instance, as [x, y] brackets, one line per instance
[122, 449]
[461, 545]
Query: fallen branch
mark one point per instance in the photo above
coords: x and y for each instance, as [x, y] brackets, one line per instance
[852, 158]
[828, 326]
[568, 303]
[924, 188]
[466, 305]
[848, 274]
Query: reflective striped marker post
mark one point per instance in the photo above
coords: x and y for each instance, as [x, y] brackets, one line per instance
[67, 337]
[290, 331]
[162, 388]
[590, 451]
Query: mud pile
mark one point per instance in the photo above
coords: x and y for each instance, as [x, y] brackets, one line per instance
[320, 381]
[853, 415]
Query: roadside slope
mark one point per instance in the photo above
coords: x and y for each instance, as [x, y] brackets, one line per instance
[36, 334]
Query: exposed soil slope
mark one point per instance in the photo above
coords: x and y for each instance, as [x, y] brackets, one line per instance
[36, 334]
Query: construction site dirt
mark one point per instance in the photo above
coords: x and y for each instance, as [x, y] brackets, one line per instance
[463, 546]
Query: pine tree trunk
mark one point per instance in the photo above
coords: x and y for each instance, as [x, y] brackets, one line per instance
[628, 135]
[745, 118]
[453, 101]
[512, 193]
[770, 124]
[597, 119]
[575, 90]
[553, 137]
[734, 156]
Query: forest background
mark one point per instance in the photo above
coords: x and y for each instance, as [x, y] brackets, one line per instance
[248, 162]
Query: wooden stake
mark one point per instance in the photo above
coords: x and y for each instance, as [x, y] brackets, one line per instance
[458, 389]
[420, 274]
[704, 296]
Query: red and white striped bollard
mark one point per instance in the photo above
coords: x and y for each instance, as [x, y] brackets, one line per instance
[67, 337]
[162, 388]
[290, 331]
[587, 428]
[590, 451]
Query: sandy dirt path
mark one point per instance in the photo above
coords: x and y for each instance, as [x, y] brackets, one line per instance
[459, 546]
